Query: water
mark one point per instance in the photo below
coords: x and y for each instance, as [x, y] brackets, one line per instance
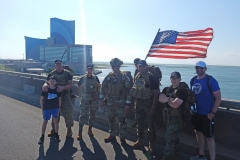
[227, 76]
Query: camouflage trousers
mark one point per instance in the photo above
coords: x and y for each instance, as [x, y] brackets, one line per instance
[117, 111]
[66, 110]
[88, 105]
[172, 147]
[143, 118]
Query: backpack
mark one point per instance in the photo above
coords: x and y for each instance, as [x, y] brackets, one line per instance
[208, 84]
[156, 71]
[128, 73]
[185, 110]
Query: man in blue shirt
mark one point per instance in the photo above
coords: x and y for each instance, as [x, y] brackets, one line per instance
[208, 99]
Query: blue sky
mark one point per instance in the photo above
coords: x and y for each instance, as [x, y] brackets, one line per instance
[123, 29]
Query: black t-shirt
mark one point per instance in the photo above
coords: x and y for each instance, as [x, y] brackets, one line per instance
[81, 81]
[51, 99]
[70, 76]
[154, 83]
[181, 94]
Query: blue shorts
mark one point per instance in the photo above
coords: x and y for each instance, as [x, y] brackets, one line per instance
[47, 113]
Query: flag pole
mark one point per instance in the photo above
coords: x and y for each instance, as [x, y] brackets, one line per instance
[153, 40]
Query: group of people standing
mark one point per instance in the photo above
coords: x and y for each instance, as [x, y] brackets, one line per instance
[120, 95]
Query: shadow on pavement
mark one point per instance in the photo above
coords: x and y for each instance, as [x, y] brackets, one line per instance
[128, 149]
[41, 152]
[67, 151]
[98, 151]
[118, 151]
[52, 151]
[85, 150]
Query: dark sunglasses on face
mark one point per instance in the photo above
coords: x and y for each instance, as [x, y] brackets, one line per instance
[197, 67]
[115, 66]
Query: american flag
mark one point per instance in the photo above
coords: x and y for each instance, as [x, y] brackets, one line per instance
[181, 45]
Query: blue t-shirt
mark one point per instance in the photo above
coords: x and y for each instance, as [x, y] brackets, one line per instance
[204, 99]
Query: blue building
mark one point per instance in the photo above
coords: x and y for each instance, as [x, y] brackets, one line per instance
[32, 47]
[62, 31]
[60, 44]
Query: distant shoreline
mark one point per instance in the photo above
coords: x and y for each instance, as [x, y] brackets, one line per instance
[159, 64]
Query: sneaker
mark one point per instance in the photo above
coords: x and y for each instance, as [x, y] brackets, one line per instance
[198, 158]
[41, 140]
[57, 138]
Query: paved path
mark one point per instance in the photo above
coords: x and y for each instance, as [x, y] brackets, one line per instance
[20, 128]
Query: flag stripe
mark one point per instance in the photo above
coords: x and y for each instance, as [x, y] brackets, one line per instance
[193, 35]
[184, 43]
[191, 44]
[193, 38]
[179, 52]
[176, 57]
[201, 48]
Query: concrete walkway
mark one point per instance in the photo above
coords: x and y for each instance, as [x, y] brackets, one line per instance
[188, 142]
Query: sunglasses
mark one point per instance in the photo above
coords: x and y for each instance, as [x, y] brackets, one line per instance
[115, 66]
[197, 67]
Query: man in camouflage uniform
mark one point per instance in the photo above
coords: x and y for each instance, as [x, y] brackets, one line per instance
[115, 93]
[89, 86]
[64, 79]
[145, 91]
[174, 98]
[136, 60]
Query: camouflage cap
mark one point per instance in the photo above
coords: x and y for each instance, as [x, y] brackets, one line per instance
[116, 61]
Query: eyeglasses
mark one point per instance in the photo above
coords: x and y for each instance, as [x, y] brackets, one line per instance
[115, 66]
[197, 67]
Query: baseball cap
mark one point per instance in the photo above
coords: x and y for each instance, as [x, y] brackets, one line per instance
[136, 60]
[175, 74]
[201, 64]
[142, 62]
[90, 65]
[52, 77]
[58, 61]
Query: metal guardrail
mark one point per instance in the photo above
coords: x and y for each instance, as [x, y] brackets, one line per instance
[226, 104]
